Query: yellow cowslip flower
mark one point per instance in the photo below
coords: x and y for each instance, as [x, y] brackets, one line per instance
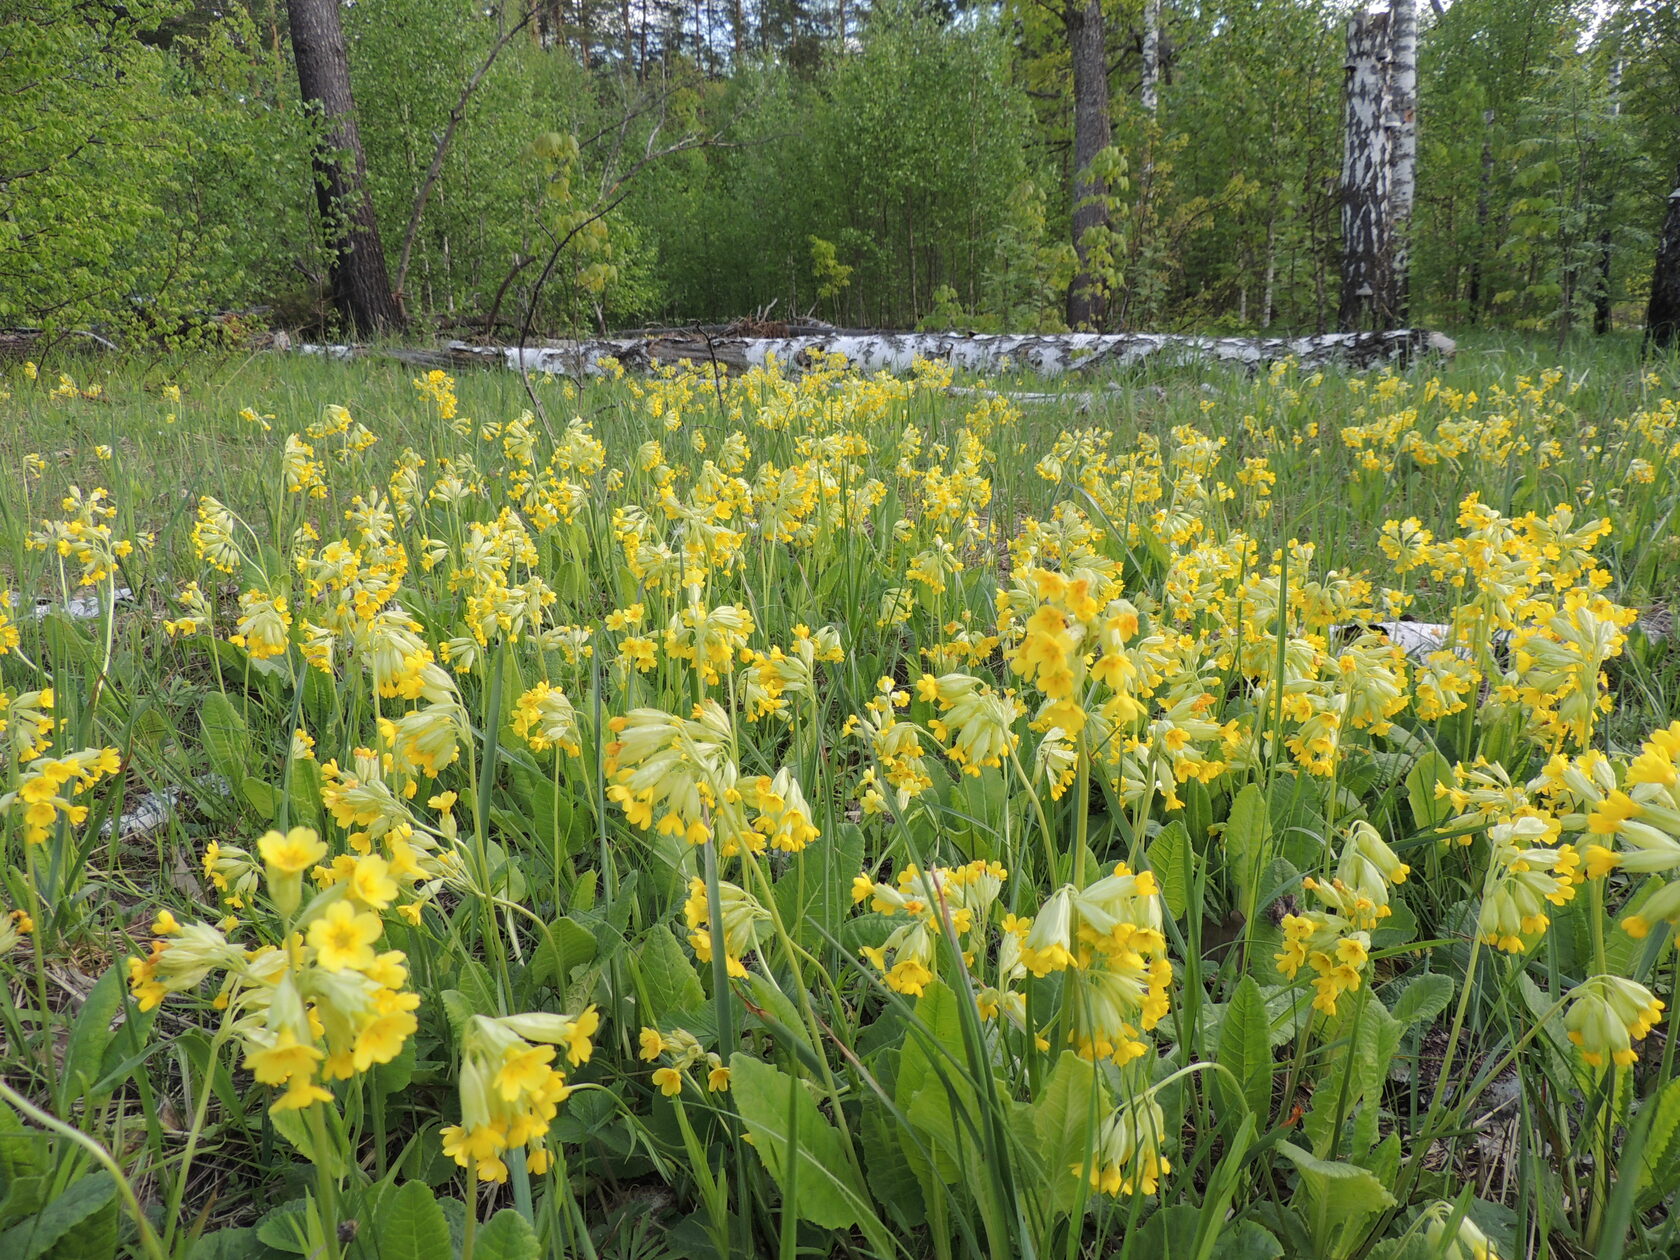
[742, 915]
[1523, 878]
[510, 1088]
[343, 937]
[48, 785]
[545, 718]
[1606, 1015]
[1127, 1159]
[264, 625]
[285, 858]
[1467, 1242]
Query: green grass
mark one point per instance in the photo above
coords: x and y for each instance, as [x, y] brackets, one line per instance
[921, 1124]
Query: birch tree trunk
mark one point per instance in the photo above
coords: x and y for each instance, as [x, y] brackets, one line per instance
[1403, 102]
[1149, 94]
[1662, 315]
[1087, 42]
[898, 352]
[361, 287]
[1366, 172]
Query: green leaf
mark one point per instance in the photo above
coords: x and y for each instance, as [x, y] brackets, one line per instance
[667, 977]
[508, 1236]
[1245, 1049]
[564, 945]
[228, 1244]
[1340, 1199]
[1064, 1120]
[1169, 858]
[815, 893]
[1660, 1166]
[1247, 831]
[37, 1235]
[411, 1224]
[1174, 1232]
[1424, 998]
[225, 738]
[827, 1189]
[1428, 811]
[90, 1036]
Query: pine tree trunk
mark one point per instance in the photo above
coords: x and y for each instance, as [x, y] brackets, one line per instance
[1086, 305]
[1366, 170]
[1662, 315]
[361, 288]
[1403, 79]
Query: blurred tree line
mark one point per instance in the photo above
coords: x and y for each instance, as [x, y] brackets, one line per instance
[604, 163]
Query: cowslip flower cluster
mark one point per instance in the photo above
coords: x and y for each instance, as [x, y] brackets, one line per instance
[1107, 937]
[1606, 1015]
[742, 916]
[48, 786]
[957, 897]
[1334, 938]
[511, 1088]
[324, 1004]
[681, 1052]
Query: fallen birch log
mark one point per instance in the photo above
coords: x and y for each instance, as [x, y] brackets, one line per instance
[1041, 355]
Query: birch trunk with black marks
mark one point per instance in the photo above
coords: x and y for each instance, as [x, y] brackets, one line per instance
[1662, 314]
[1366, 171]
[1048, 355]
[1403, 105]
[361, 287]
[1086, 306]
[1149, 92]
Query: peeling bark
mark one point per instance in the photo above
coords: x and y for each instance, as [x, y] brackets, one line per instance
[1087, 41]
[1047, 356]
[1403, 102]
[1366, 172]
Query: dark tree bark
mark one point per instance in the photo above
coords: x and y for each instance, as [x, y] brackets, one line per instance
[1086, 304]
[1484, 194]
[361, 288]
[1662, 316]
[1366, 172]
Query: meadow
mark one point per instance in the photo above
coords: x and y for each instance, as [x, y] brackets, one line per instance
[1202, 815]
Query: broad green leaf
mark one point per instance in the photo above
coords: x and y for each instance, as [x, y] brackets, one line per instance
[228, 1244]
[1169, 858]
[1428, 810]
[1245, 1049]
[225, 738]
[507, 1236]
[667, 976]
[1173, 1232]
[1064, 1120]
[1425, 997]
[827, 1192]
[886, 1169]
[1659, 1168]
[1340, 1199]
[565, 944]
[1247, 831]
[37, 1235]
[411, 1224]
[90, 1036]
[815, 893]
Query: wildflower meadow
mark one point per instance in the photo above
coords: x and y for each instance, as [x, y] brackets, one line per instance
[802, 813]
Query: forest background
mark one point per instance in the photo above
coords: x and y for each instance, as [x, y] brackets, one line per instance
[892, 164]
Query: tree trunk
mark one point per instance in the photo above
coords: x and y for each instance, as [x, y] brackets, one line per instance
[1149, 95]
[1603, 298]
[1365, 173]
[1484, 196]
[1662, 315]
[1403, 44]
[1086, 303]
[974, 352]
[361, 288]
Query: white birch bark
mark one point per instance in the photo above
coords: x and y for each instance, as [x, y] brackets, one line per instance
[1365, 172]
[1149, 94]
[1047, 356]
[1403, 105]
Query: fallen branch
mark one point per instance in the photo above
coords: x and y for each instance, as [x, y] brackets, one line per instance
[1046, 355]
